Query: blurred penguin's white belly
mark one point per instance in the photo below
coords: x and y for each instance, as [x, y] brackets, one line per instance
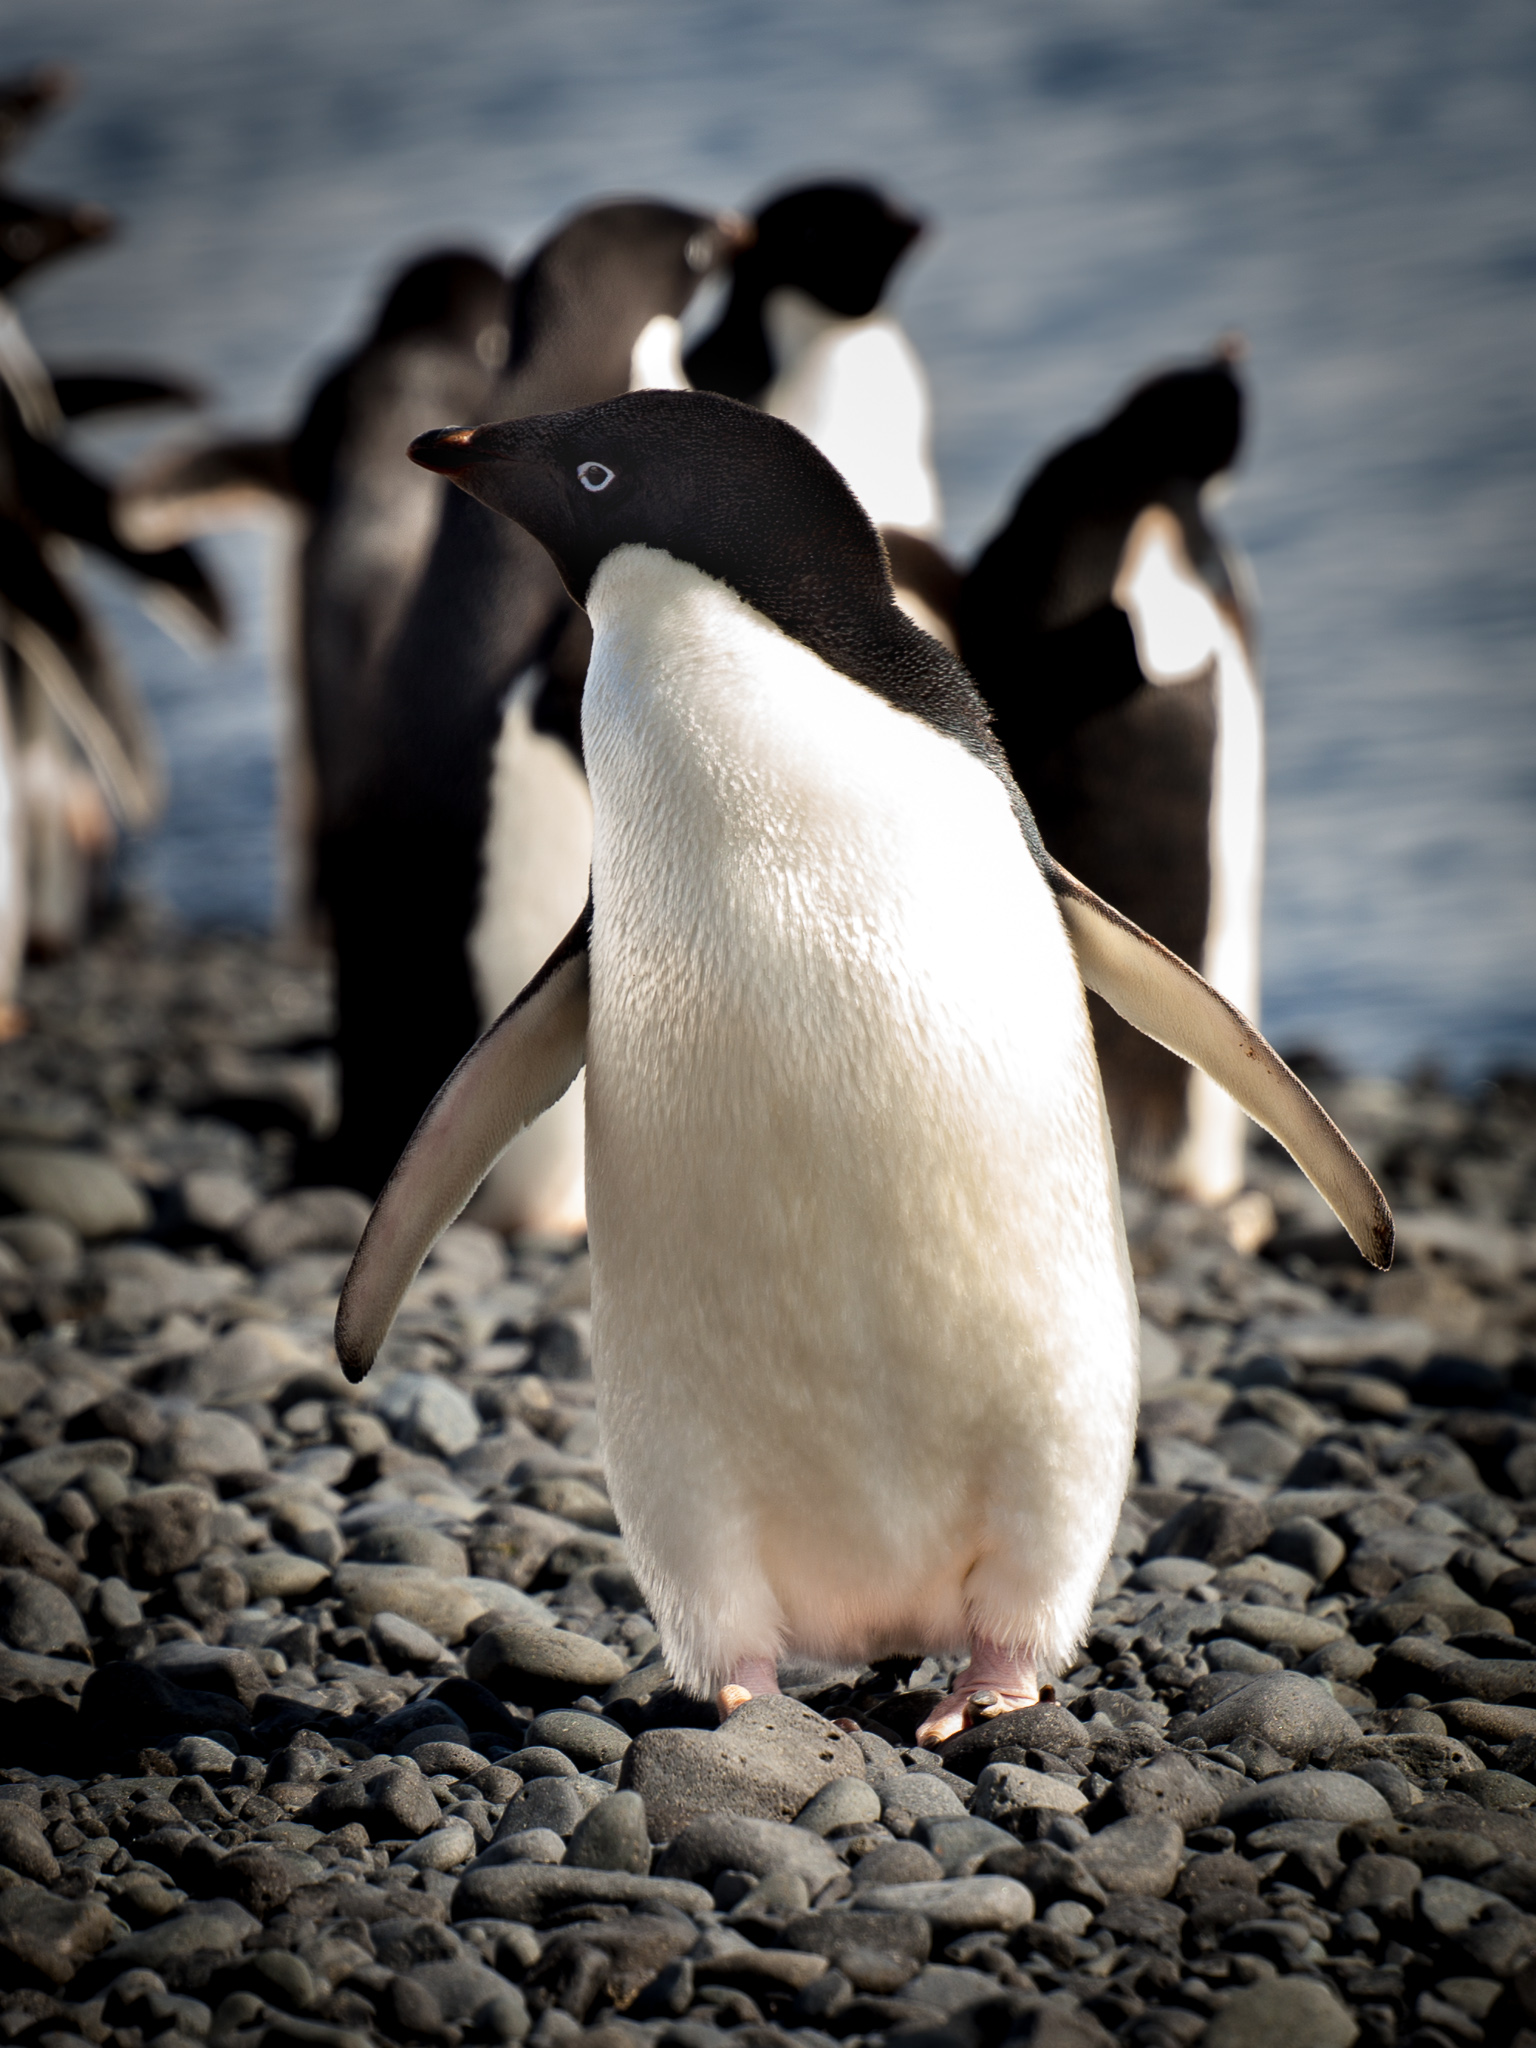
[863, 1325]
[857, 389]
[538, 855]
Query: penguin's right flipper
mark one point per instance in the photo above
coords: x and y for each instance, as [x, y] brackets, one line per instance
[173, 498]
[520, 1068]
[1160, 995]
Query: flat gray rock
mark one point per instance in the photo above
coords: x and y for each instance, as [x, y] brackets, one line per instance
[765, 1763]
[1292, 1713]
[540, 1666]
[1136, 1855]
[613, 1836]
[878, 1952]
[730, 1841]
[961, 1905]
[1304, 1795]
[1283, 2012]
[529, 1891]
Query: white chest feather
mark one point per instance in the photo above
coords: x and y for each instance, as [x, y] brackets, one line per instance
[538, 853]
[857, 389]
[1180, 632]
[656, 360]
[863, 1327]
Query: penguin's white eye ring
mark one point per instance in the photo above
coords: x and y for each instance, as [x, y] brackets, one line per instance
[594, 476]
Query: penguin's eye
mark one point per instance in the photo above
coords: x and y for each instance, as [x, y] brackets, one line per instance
[594, 476]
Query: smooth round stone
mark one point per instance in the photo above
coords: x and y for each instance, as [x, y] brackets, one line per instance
[432, 1757]
[445, 1848]
[195, 1756]
[559, 1804]
[920, 1795]
[540, 1760]
[1293, 1714]
[1253, 1623]
[613, 1836]
[1140, 1854]
[36, 1616]
[280, 1574]
[415, 1592]
[23, 1846]
[897, 1863]
[589, 1740]
[845, 1803]
[429, 1414]
[403, 1641]
[1498, 1791]
[528, 1845]
[876, 1952]
[1304, 1795]
[412, 1543]
[1070, 1915]
[1282, 2012]
[1308, 1544]
[1172, 1574]
[541, 1666]
[87, 1193]
[1226, 1653]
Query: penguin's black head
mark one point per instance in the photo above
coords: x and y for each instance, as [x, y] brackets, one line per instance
[33, 230]
[736, 493]
[1186, 423]
[452, 292]
[709, 481]
[838, 242]
[611, 268]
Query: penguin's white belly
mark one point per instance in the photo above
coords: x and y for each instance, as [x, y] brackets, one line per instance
[857, 389]
[538, 855]
[864, 1333]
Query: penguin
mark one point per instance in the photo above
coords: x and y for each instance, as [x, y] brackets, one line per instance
[1107, 626]
[83, 757]
[864, 1330]
[467, 844]
[805, 335]
[357, 519]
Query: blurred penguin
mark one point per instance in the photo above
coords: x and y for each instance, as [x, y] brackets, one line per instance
[361, 518]
[465, 851]
[806, 336]
[1107, 626]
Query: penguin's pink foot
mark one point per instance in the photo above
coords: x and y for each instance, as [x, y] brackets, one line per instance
[752, 1678]
[994, 1682]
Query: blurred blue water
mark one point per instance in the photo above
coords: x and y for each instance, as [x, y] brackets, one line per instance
[1112, 185]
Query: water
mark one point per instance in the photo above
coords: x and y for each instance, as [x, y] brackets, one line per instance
[1112, 186]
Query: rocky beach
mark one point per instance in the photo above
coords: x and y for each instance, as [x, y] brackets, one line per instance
[333, 1715]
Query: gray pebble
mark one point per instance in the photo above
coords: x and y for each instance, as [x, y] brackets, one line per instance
[541, 1667]
[878, 1952]
[718, 1842]
[961, 1905]
[612, 1836]
[845, 1803]
[589, 1740]
[554, 1803]
[1140, 1854]
[1292, 1713]
[765, 1762]
[36, 1616]
[1304, 1795]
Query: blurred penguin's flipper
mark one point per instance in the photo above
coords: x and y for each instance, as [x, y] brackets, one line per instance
[172, 498]
[1170, 1003]
[127, 772]
[520, 1068]
[81, 393]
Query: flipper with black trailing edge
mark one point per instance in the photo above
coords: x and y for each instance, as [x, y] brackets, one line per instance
[522, 1065]
[1153, 990]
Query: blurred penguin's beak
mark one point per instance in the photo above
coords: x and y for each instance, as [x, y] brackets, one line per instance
[445, 449]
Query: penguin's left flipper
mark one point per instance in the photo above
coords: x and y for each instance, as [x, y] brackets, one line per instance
[1170, 1003]
[520, 1068]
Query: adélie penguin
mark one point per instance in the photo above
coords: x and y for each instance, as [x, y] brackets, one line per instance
[864, 1333]
[359, 519]
[1107, 627]
[806, 334]
[465, 849]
